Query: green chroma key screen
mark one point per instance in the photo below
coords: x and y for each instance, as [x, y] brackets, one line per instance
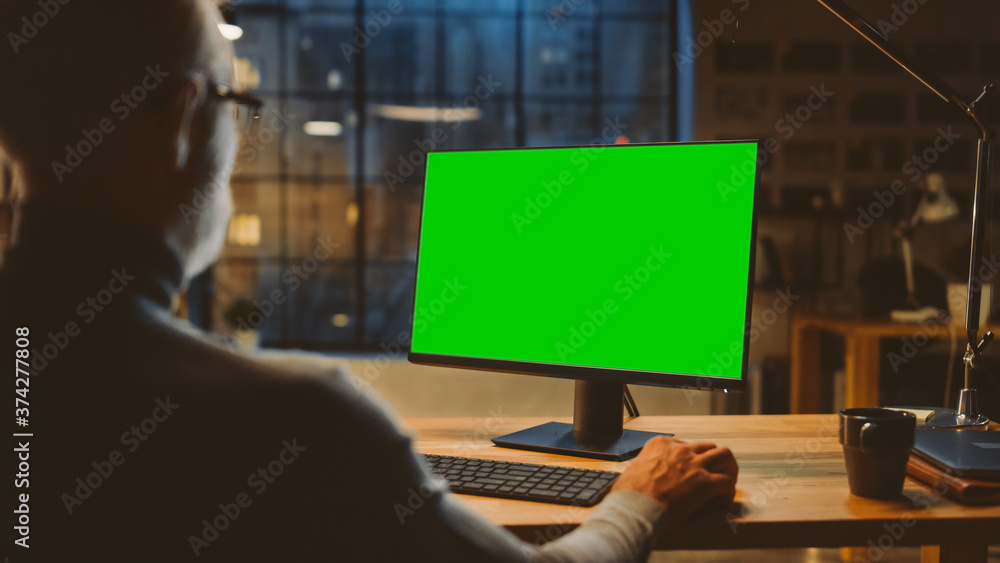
[626, 257]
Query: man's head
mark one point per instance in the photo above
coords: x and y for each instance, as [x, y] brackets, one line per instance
[109, 106]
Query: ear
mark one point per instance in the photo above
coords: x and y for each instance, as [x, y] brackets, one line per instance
[185, 106]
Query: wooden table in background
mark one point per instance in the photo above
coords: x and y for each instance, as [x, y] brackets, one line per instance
[861, 357]
[792, 490]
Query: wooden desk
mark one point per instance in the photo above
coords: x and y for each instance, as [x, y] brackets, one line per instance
[792, 490]
[861, 358]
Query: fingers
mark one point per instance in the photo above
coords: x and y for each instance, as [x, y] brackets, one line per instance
[719, 460]
[701, 454]
[702, 447]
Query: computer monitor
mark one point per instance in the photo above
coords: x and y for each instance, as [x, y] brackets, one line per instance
[605, 264]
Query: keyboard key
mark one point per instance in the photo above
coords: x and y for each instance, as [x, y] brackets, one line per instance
[507, 477]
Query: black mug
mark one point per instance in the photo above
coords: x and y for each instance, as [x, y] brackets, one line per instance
[877, 446]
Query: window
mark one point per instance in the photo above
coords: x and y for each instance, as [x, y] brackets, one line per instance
[327, 191]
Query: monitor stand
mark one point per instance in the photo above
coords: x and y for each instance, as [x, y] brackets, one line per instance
[596, 431]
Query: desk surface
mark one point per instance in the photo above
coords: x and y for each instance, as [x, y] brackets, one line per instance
[792, 487]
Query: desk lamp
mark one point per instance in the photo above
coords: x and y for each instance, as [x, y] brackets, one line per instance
[936, 206]
[967, 413]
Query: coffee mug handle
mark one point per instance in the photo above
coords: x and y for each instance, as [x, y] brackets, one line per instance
[868, 429]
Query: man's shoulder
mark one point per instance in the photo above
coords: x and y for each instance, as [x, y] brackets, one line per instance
[292, 383]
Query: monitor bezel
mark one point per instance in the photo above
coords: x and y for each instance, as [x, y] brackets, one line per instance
[565, 371]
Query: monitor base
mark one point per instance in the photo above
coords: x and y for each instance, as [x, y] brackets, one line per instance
[557, 438]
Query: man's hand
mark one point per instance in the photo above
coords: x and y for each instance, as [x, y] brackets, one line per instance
[683, 477]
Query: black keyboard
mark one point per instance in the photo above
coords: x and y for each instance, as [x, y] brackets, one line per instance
[522, 481]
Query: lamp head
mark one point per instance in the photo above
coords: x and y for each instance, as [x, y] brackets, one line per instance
[936, 206]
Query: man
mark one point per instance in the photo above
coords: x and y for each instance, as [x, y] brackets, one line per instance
[145, 440]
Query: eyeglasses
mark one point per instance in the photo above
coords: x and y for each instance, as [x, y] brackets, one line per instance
[247, 108]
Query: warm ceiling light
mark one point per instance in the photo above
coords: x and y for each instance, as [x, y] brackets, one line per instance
[351, 214]
[244, 230]
[230, 31]
[323, 128]
[412, 113]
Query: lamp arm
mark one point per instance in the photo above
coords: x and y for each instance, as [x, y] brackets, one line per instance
[941, 88]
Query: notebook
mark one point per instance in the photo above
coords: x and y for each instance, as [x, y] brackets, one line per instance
[963, 453]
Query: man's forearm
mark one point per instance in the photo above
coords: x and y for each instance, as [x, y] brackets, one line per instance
[620, 529]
